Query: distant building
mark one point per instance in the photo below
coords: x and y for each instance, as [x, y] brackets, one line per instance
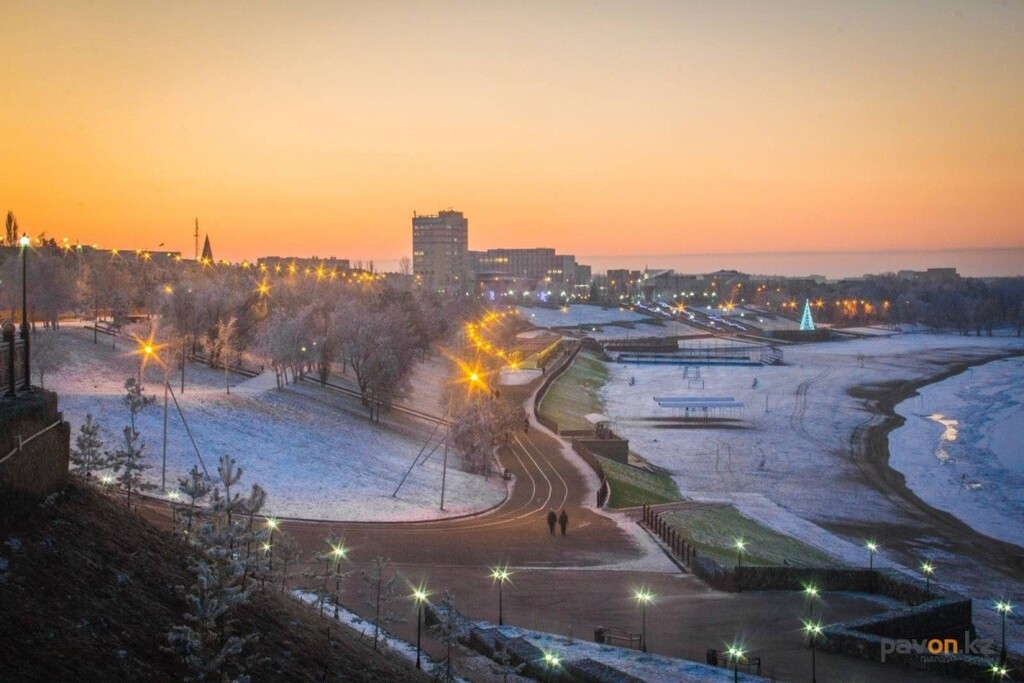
[313, 264]
[930, 275]
[440, 246]
[540, 263]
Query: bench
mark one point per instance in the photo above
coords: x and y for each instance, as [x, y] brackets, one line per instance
[617, 636]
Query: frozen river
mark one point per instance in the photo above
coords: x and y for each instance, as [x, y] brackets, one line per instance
[962, 447]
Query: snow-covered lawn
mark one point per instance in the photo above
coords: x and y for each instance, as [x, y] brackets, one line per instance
[578, 314]
[314, 451]
[962, 447]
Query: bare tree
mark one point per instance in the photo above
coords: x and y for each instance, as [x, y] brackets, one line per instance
[48, 354]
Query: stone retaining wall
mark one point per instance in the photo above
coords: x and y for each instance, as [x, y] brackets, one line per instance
[40, 467]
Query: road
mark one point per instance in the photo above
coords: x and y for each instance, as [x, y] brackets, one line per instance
[572, 584]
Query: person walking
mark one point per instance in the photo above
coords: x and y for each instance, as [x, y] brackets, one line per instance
[552, 519]
[563, 521]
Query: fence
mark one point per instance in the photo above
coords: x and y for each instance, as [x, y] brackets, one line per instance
[680, 547]
[12, 366]
[594, 462]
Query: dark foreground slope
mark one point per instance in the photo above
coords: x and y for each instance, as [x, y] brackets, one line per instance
[87, 593]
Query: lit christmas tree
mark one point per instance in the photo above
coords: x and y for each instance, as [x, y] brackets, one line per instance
[806, 322]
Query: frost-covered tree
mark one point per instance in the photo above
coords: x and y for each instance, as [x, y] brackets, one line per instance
[48, 354]
[194, 488]
[287, 553]
[221, 347]
[380, 594]
[128, 463]
[206, 642]
[135, 398]
[87, 455]
[447, 629]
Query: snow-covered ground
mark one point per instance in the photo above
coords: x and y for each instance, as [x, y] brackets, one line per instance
[315, 452]
[962, 447]
[786, 461]
[667, 328]
[646, 667]
[578, 314]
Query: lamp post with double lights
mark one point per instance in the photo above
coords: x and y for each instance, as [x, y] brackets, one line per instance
[500, 575]
[813, 630]
[1004, 608]
[735, 653]
[811, 593]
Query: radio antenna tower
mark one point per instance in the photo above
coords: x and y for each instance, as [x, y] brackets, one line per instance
[196, 257]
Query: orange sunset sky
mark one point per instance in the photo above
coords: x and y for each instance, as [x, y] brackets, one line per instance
[594, 127]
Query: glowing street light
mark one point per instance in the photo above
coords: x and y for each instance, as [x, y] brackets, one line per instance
[927, 568]
[272, 524]
[740, 547]
[1004, 608]
[552, 662]
[735, 653]
[812, 593]
[420, 595]
[500, 575]
[999, 671]
[338, 553]
[643, 596]
[872, 549]
[813, 630]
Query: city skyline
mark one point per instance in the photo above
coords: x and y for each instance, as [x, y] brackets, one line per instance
[592, 129]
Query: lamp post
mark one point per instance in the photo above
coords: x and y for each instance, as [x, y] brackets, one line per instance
[552, 662]
[420, 596]
[1004, 608]
[813, 630]
[735, 653]
[811, 593]
[740, 546]
[272, 524]
[643, 596]
[872, 549]
[25, 242]
[927, 568]
[500, 575]
[338, 552]
[999, 671]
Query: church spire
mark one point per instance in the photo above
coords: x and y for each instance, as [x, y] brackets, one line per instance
[207, 252]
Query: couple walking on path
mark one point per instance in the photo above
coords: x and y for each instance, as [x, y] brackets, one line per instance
[562, 520]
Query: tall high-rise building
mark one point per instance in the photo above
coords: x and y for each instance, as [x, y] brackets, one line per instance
[440, 244]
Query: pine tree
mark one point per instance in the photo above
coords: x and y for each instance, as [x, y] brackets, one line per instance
[194, 487]
[87, 454]
[128, 464]
[447, 629]
[205, 642]
[287, 553]
[380, 594]
[135, 399]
